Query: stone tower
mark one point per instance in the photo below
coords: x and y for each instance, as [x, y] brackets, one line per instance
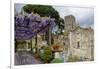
[70, 23]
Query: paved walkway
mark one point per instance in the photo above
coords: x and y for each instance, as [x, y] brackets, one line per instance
[24, 58]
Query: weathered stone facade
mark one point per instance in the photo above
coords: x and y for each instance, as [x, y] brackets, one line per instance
[81, 40]
[70, 23]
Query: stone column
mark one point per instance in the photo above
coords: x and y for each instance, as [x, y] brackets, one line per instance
[70, 43]
[49, 36]
[26, 44]
[57, 55]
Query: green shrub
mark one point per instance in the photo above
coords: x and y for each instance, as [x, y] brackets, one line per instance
[57, 60]
[47, 55]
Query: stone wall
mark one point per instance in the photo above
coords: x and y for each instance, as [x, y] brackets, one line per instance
[81, 40]
[70, 23]
[81, 43]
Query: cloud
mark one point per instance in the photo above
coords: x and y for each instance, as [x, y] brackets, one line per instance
[82, 15]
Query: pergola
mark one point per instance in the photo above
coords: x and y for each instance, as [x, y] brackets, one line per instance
[28, 26]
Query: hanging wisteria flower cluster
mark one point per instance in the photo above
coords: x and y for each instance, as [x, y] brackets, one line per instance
[27, 26]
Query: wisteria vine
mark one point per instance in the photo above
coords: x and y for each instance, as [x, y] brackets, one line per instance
[27, 26]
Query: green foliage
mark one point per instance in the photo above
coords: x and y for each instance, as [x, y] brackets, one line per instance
[42, 10]
[45, 10]
[47, 55]
[73, 59]
[57, 60]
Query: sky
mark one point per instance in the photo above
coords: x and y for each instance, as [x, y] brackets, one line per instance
[84, 15]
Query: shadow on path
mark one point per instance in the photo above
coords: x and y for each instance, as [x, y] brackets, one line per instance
[23, 58]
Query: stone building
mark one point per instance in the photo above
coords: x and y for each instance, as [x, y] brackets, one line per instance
[81, 43]
[70, 23]
[81, 40]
